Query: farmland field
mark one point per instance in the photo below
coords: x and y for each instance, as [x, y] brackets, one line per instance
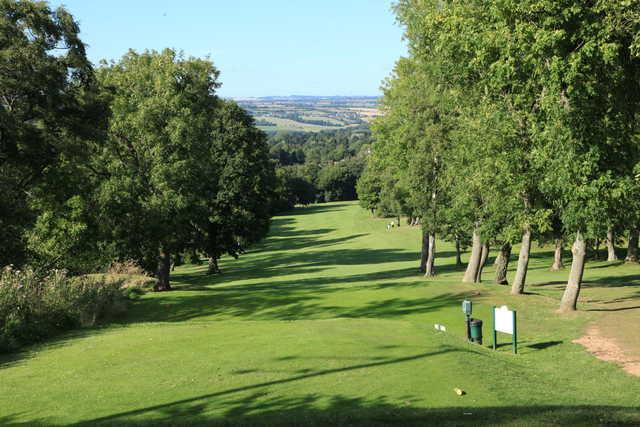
[309, 113]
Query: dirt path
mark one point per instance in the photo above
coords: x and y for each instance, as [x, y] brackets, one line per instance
[613, 336]
[608, 348]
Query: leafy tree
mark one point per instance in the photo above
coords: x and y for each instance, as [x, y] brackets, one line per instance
[48, 111]
[293, 187]
[182, 169]
[540, 99]
[369, 187]
[338, 181]
[324, 147]
[237, 205]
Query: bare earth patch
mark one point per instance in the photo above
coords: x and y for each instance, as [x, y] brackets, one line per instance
[606, 349]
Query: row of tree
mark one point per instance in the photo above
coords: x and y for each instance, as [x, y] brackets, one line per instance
[137, 159]
[326, 146]
[318, 167]
[512, 121]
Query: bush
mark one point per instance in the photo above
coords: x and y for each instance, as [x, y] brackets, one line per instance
[126, 267]
[33, 307]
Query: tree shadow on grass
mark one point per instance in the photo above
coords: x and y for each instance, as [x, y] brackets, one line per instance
[275, 265]
[636, 307]
[287, 300]
[258, 404]
[270, 265]
[629, 280]
[315, 410]
[273, 291]
[239, 407]
[607, 264]
[58, 340]
[300, 241]
[317, 208]
[284, 227]
[544, 345]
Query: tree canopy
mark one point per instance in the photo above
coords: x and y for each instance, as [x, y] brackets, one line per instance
[183, 169]
[510, 120]
[48, 111]
[138, 159]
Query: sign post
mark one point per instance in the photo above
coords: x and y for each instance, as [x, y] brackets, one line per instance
[505, 321]
[467, 307]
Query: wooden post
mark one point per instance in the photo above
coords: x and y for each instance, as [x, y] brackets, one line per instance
[493, 325]
[515, 334]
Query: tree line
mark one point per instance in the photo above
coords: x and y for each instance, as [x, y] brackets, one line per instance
[318, 167]
[513, 121]
[135, 159]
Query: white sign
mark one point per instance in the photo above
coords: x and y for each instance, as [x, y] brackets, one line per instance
[503, 319]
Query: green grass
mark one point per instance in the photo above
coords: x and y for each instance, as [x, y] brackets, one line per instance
[328, 323]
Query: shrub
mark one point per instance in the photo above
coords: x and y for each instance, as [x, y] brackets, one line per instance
[126, 267]
[33, 307]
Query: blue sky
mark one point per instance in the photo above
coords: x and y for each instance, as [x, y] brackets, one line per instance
[268, 47]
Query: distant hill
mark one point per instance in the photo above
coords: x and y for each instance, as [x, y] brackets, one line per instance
[308, 98]
[303, 113]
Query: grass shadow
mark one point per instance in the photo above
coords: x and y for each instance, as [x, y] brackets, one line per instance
[236, 411]
[544, 345]
[285, 300]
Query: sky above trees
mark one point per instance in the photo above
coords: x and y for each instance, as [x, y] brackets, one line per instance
[262, 48]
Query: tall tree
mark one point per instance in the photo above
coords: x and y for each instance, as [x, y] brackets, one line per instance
[591, 101]
[48, 110]
[236, 195]
[179, 163]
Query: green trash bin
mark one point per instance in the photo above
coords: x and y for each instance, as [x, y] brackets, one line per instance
[476, 330]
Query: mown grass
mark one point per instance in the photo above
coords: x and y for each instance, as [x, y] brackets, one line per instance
[327, 322]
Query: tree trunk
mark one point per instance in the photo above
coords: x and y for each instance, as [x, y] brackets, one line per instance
[632, 249]
[474, 259]
[430, 270]
[212, 266]
[164, 269]
[425, 251]
[572, 291]
[502, 264]
[178, 260]
[195, 258]
[458, 253]
[398, 221]
[484, 254]
[611, 246]
[523, 263]
[596, 249]
[557, 256]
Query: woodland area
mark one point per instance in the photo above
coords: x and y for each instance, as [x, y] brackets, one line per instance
[513, 122]
[136, 160]
[318, 167]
